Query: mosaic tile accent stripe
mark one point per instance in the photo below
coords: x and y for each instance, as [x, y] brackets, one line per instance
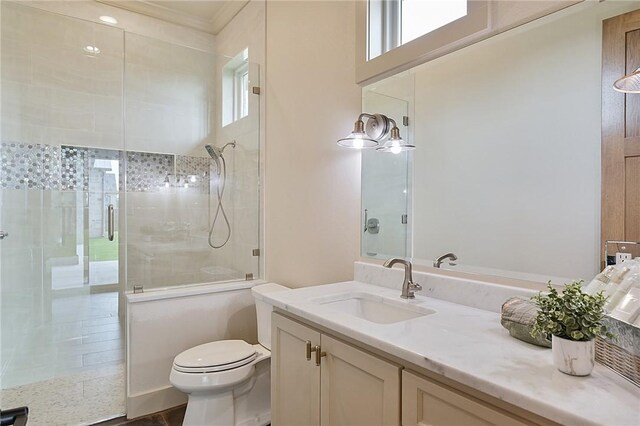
[70, 168]
[32, 166]
[147, 172]
[195, 171]
[78, 163]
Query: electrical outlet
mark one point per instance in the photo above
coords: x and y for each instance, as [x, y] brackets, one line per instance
[622, 257]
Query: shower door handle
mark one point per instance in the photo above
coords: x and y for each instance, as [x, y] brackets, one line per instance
[110, 222]
[3, 235]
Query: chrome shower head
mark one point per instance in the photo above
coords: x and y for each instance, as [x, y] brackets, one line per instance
[213, 151]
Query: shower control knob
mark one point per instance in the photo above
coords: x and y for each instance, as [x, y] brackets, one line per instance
[3, 235]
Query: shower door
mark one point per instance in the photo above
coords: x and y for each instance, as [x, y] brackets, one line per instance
[60, 183]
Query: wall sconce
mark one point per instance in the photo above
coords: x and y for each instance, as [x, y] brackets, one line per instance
[359, 139]
[378, 126]
[630, 83]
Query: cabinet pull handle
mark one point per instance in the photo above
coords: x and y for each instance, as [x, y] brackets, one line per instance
[319, 354]
[309, 349]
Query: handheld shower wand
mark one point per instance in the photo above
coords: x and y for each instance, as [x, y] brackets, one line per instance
[221, 171]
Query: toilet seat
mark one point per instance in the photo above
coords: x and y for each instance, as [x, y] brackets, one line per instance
[217, 356]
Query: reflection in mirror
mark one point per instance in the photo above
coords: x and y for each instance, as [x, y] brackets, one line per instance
[506, 173]
[385, 183]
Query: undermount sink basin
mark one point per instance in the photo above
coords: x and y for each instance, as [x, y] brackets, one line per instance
[374, 308]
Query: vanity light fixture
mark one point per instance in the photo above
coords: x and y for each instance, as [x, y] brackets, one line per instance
[395, 144]
[377, 127]
[358, 139]
[630, 83]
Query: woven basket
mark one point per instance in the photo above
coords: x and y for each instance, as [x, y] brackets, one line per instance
[622, 354]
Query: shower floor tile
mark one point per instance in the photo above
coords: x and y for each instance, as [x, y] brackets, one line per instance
[68, 369]
[77, 399]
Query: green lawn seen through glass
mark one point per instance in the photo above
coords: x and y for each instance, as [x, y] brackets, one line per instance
[101, 249]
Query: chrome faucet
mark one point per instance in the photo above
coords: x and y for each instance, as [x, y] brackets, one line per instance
[440, 259]
[408, 286]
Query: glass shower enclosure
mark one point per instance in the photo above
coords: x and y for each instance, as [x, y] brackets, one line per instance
[105, 187]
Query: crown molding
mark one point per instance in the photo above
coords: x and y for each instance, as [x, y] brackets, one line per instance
[212, 25]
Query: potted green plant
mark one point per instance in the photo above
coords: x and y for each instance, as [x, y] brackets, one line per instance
[573, 320]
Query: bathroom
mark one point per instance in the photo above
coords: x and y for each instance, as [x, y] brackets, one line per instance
[129, 242]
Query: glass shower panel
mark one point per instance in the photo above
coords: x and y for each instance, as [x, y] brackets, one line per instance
[62, 87]
[385, 187]
[243, 190]
[172, 114]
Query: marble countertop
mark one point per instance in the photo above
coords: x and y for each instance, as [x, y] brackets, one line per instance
[470, 346]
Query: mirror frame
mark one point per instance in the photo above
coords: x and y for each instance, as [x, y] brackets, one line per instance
[452, 36]
[484, 19]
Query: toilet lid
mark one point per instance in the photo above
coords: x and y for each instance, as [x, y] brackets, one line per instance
[223, 353]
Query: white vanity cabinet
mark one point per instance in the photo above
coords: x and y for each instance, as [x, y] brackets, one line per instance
[295, 381]
[425, 402]
[349, 387]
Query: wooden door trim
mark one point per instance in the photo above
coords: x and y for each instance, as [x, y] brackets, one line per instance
[632, 149]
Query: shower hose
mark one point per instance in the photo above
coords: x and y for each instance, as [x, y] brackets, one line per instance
[222, 181]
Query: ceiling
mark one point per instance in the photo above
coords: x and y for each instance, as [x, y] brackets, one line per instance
[209, 16]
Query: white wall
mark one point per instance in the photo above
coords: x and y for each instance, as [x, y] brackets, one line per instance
[507, 166]
[312, 187]
[53, 93]
[159, 329]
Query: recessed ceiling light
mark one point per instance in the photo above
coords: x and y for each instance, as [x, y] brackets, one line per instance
[93, 50]
[108, 19]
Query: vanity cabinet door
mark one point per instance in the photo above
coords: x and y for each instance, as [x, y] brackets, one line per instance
[295, 381]
[357, 388]
[426, 403]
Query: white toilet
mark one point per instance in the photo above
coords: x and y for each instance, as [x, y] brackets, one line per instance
[228, 381]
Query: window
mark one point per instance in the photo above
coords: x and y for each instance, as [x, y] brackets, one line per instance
[419, 17]
[235, 88]
[241, 92]
[393, 23]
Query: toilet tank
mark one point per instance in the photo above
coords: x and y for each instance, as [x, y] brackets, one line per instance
[263, 311]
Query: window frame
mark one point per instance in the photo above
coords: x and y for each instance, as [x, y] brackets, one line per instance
[438, 42]
[235, 97]
[241, 91]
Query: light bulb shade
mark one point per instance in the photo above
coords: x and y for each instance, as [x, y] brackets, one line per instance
[358, 139]
[395, 144]
[630, 83]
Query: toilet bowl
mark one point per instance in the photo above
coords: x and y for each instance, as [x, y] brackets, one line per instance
[228, 381]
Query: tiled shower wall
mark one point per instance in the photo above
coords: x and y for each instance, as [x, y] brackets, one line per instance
[57, 100]
[67, 168]
[167, 228]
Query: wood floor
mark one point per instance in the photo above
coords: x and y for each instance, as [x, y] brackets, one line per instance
[171, 417]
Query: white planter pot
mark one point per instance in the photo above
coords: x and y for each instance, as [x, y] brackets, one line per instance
[571, 357]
